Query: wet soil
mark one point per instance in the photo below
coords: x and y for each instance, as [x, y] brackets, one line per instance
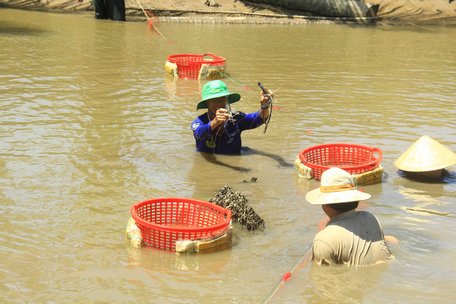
[240, 11]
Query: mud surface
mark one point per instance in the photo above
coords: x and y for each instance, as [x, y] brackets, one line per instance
[239, 11]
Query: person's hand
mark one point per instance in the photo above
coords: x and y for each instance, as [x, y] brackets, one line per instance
[265, 102]
[264, 98]
[391, 239]
[220, 117]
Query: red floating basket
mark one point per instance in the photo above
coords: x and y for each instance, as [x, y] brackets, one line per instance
[189, 65]
[353, 158]
[163, 221]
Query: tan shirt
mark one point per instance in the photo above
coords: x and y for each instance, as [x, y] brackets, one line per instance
[352, 238]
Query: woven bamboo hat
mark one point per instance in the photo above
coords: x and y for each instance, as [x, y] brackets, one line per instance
[426, 154]
[337, 186]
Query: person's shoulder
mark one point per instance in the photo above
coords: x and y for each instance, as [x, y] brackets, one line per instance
[366, 214]
[330, 232]
[202, 118]
[369, 218]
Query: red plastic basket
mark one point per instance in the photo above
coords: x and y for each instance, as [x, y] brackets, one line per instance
[189, 65]
[352, 158]
[163, 221]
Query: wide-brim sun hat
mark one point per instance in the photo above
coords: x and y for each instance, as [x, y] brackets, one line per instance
[337, 186]
[215, 89]
[426, 154]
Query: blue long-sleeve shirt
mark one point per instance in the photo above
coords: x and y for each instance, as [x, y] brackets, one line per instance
[227, 139]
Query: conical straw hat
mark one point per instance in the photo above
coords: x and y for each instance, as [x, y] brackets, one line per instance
[426, 154]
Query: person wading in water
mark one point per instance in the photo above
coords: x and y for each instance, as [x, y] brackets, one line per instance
[219, 130]
[110, 9]
[351, 237]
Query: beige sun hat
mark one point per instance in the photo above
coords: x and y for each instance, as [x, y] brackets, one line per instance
[426, 154]
[337, 186]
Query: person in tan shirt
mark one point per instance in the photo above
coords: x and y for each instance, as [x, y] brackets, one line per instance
[350, 237]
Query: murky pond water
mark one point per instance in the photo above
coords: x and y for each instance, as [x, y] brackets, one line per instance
[90, 124]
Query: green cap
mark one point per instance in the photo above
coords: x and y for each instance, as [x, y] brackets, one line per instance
[215, 89]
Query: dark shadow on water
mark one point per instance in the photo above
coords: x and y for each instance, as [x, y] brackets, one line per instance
[446, 178]
[212, 158]
[16, 30]
[450, 177]
[246, 151]
[279, 159]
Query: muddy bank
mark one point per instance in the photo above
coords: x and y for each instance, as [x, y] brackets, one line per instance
[417, 10]
[239, 11]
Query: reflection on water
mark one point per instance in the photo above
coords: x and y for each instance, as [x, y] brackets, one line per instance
[425, 201]
[160, 261]
[91, 124]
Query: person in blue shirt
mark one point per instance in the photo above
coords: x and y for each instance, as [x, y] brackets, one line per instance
[219, 130]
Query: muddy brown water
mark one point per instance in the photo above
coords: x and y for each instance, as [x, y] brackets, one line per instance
[91, 124]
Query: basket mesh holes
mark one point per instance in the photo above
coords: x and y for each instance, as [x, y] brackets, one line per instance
[183, 219]
[353, 158]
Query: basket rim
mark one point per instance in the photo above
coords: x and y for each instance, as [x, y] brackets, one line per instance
[223, 224]
[197, 58]
[376, 161]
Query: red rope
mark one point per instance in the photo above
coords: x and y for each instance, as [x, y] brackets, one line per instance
[300, 264]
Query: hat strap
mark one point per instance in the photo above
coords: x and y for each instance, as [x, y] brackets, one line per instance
[337, 188]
